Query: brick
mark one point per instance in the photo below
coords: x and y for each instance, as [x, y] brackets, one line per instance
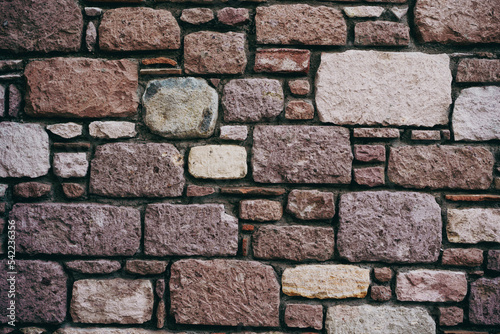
[473, 198]
[295, 243]
[299, 87]
[143, 267]
[383, 274]
[478, 70]
[301, 154]
[218, 162]
[311, 204]
[369, 153]
[197, 16]
[450, 316]
[245, 246]
[66, 130]
[233, 132]
[298, 109]
[470, 257]
[94, 266]
[379, 33]
[233, 16]
[261, 210]
[494, 260]
[369, 176]
[250, 191]
[159, 60]
[247, 228]
[431, 286]
[67, 165]
[484, 301]
[282, 61]
[380, 293]
[196, 191]
[474, 225]
[425, 135]
[304, 316]
[376, 133]
[73, 190]
[29, 190]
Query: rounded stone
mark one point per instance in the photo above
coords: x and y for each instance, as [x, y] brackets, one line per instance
[180, 108]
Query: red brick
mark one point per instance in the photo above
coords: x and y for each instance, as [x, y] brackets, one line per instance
[247, 228]
[378, 33]
[198, 191]
[282, 61]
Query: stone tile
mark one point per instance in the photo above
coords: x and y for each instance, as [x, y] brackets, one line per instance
[234, 132]
[299, 87]
[369, 153]
[145, 267]
[450, 316]
[380, 293]
[369, 176]
[363, 11]
[299, 110]
[425, 135]
[233, 16]
[197, 191]
[383, 274]
[376, 133]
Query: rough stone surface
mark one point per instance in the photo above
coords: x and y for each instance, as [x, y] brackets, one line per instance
[399, 12]
[494, 260]
[251, 191]
[311, 204]
[431, 286]
[261, 210]
[112, 129]
[469, 257]
[76, 229]
[369, 176]
[378, 133]
[40, 291]
[252, 100]
[299, 87]
[195, 229]
[118, 300]
[459, 21]
[208, 52]
[3, 97]
[81, 87]
[451, 316]
[108, 330]
[142, 267]
[197, 191]
[363, 11]
[425, 135]
[73, 190]
[393, 227]
[94, 266]
[476, 116]
[91, 37]
[11, 65]
[300, 24]
[301, 154]
[381, 33]
[3, 189]
[137, 170]
[484, 301]
[369, 153]
[138, 28]
[326, 281]
[381, 293]
[197, 15]
[233, 16]
[15, 100]
[304, 316]
[342, 319]
[298, 109]
[383, 274]
[180, 108]
[472, 226]
[234, 132]
[436, 167]
[66, 130]
[219, 162]
[24, 150]
[383, 88]
[70, 164]
[282, 61]
[93, 11]
[38, 25]
[478, 70]
[224, 293]
[295, 243]
[31, 189]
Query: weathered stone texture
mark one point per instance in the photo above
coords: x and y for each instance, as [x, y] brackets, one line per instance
[197, 191]
[369, 153]
[112, 129]
[197, 15]
[196, 229]
[296, 243]
[137, 170]
[369, 176]
[31, 189]
[298, 109]
[431, 286]
[435, 167]
[383, 274]
[425, 135]
[91, 37]
[300, 24]
[478, 70]
[81, 87]
[76, 229]
[377, 133]
[224, 293]
[67, 165]
[311, 204]
[108, 330]
[73, 190]
[219, 162]
[304, 316]
[299, 87]
[450, 316]
[472, 226]
[494, 260]
[363, 11]
[301, 154]
[484, 301]
[144, 267]
[393, 227]
[282, 61]
[118, 300]
[233, 132]
[233, 16]
[380, 293]
[66, 130]
[383, 88]
[381, 33]
[326, 281]
[38, 25]
[94, 266]
[469, 257]
[261, 210]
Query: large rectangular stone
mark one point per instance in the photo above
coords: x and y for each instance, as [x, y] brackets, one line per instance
[301, 154]
[472, 226]
[76, 229]
[383, 88]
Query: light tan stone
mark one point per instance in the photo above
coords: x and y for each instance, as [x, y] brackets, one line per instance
[471, 226]
[326, 281]
[363, 11]
[220, 162]
[112, 129]
[66, 130]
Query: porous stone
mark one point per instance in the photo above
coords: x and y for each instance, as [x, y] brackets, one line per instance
[66, 130]
[301, 154]
[180, 108]
[484, 301]
[233, 16]
[233, 132]
[369, 153]
[457, 22]
[252, 100]
[118, 300]
[311, 204]
[476, 116]
[435, 167]
[380, 293]
[138, 28]
[393, 227]
[81, 87]
[494, 260]
[299, 110]
[304, 316]
[31, 189]
[282, 61]
[143, 267]
[431, 286]
[219, 162]
[94, 266]
[377, 133]
[478, 70]
[76, 229]
[24, 150]
[139, 170]
[383, 274]
[469, 257]
[381, 33]
[70, 164]
[112, 129]
[299, 87]
[108, 330]
[195, 229]
[300, 24]
[197, 15]
[15, 100]
[472, 226]
[425, 135]
[383, 88]
[73, 190]
[378, 320]
[261, 210]
[363, 11]
[295, 243]
[197, 191]
[91, 37]
[450, 316]
[40, 291]
[224, 293]
[326, 281]
[208, 52]
[369, 176]
[40, 26]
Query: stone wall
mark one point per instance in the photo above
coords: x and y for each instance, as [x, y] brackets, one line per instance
[262, 166]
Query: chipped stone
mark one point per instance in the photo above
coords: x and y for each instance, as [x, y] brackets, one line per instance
[311, 204]
[380, 293]
[369, 153]
[494, 260]
[31, 189]
[219, 162]
[91, 37]
[399, 12]
[70, 164]
[15, 100]
[73, 190]
[369, 176]
[93, 11]
[381, 33]
[299, 87]
[474, 225]
[143, 267]
[470, 257]
[478, 70]
[233, 16]
[66, 130]
[450, 316]
[197, 16]
[282, 61]
[363, 11]
[261, 210]
[425, 135]
[112, 129]
[376, 133]
[304, 316]
[431, 286]
[197, 191]
[298, 109]
[233, 132]
[484, 301]
[383, 274]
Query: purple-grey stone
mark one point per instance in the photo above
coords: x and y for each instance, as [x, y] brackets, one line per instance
[484, 301]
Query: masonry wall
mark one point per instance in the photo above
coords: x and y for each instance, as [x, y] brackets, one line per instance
[259, 166]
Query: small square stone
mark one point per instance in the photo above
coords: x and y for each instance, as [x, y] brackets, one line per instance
[70, 164]
[381, 293]
[450, 316]
[304, 316]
